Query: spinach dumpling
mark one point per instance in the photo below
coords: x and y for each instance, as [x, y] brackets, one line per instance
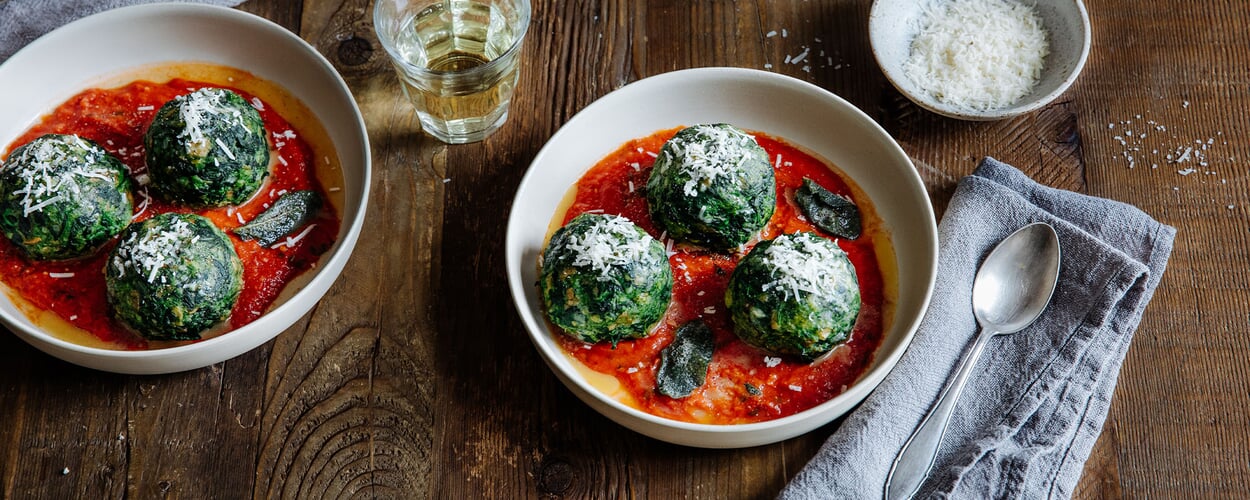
[62, 196]
[712, 185]
[604, 278]
[796, 294]
[207, 149]
[173, 276]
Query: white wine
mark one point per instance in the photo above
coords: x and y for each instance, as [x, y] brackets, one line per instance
[475, 105]
[459, 65]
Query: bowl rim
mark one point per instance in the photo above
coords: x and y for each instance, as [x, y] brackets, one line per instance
[253, 334]
[875, 14]
[861, 387]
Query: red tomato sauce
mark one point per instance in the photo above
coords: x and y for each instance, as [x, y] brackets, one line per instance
[744, 383]
[116, 119]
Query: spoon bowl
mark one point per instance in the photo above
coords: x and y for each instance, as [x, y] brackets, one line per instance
[1007, 294]
[1011, 289]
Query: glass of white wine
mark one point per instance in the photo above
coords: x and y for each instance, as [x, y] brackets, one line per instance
[458, 60]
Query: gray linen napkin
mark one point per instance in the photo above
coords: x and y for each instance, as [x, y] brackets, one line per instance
[22, 21]
[1037, 400]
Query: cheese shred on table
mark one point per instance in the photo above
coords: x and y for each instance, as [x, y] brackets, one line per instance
[978, 54]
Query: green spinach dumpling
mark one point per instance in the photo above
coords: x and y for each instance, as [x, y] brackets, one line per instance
[796, 294]
[604, 278]
[712, 185]
[62, 196]
[173, 276]
[207, 149]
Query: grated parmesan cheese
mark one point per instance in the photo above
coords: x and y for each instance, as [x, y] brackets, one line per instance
[290, 241]
[718, 153]
[977, 54]
[608, 244]
[800, 57]
[805, 266]
[145, 200]
[146, 255]
[194, 109]
[55, 171]
[224, 148]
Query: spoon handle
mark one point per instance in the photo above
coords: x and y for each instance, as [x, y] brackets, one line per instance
[914, 461]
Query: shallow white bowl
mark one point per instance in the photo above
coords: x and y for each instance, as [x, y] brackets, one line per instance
[892, 25]
[72, 58]
[784, 107]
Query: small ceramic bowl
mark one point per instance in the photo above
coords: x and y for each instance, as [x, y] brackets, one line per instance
[892, 25]
[97, 49]
[799, 112]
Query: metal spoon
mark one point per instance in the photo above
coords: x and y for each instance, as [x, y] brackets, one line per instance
[1011, 289]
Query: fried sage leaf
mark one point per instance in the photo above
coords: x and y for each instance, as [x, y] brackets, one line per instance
[684, 363]
[289, 213]
[831, 213]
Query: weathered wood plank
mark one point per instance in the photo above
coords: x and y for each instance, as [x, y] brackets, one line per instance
[50, 449]
[348, 401]
[1177, 425]
[184, 432]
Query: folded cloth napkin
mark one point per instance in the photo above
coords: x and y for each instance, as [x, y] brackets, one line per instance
[1036, 400]
[22, 21]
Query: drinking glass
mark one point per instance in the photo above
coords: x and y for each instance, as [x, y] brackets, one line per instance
[458, 60]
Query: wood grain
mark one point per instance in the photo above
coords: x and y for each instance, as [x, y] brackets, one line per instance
[349, 398]
[1178, 425]
[413, 377]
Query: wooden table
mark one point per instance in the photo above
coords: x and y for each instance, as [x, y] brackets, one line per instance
[413, 378]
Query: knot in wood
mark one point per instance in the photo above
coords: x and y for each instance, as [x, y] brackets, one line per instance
[555, 476]
[354, 51]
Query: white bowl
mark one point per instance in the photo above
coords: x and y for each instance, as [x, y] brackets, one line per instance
[892, 25]
[80, 54]
[780, 106]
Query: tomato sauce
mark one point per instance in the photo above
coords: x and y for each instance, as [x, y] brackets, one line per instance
[744, 383]
[116, 119]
